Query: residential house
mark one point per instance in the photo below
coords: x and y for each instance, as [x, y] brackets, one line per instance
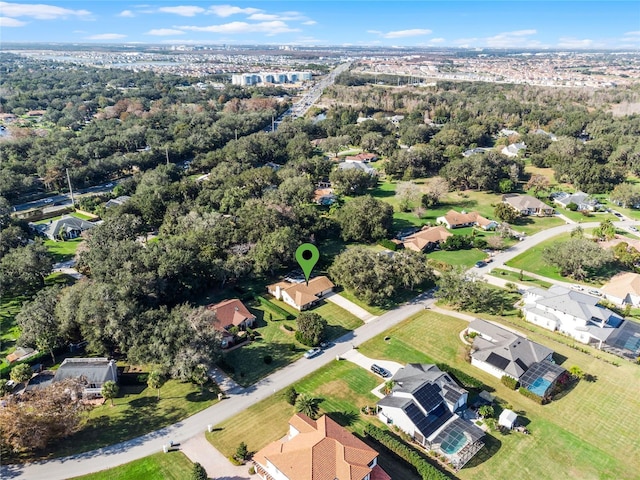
[425, 403]
[358, 166]
[65, 228]
[324, 196]
[501, 352]
[527, 205]
[94, 372]
[318, 450]
[582, 200]
[426, 239]
[453, 219]
[116, 202]
[231, 313]
[21, 353]
[513, 150]
[361, 157]
[572, 313]
[632, 243]
[623, 289]
[550, 136]
[302, 296]
[8, 117]
[474, 151]
[505, 132]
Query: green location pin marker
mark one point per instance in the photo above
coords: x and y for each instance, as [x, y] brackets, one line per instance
[307, 256]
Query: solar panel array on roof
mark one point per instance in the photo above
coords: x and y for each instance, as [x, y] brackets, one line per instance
[497, 361]
[429, 423]
[428, 396]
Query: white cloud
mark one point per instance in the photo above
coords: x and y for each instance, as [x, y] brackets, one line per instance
[517, 38]
[309, 22]
[11, 22]
[270, 28]
[184, 10]
[413, 32]
[633, 34]
[40, 11]
[570, 42]
[434, 41]
[106, 36]
[163, 32]
[126, 13]
[228, 10]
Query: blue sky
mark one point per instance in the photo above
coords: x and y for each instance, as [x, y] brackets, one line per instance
[512, 24]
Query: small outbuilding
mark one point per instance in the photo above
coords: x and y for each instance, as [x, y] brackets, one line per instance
[507, 419]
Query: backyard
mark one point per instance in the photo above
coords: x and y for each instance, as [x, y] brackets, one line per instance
[571, 440]
[166, 466]
[62, 251]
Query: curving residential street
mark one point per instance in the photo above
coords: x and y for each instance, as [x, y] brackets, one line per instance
[241, 398]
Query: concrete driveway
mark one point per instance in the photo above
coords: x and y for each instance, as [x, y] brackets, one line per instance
[350, 307]
[365, 362]
[199, 450]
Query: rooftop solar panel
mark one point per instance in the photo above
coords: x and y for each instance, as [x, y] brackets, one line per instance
[497, 361]
[428, 396]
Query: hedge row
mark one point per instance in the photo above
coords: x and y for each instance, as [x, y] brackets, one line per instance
[467, 381]
[273, 307]
[510, 382]
[532, 396]
[404, 451]
[388, 244]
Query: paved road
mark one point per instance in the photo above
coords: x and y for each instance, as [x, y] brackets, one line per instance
[241, 399]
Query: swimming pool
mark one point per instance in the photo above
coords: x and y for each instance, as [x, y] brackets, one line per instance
[539, 386]
[454, 442]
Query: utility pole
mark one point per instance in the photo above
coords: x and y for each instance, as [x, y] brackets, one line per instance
[166, 153]
[273, 124]
[236, 134]
[73, 203]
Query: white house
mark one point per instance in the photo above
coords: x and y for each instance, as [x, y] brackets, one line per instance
[424, 403]
[582, 200]
[453, 219]
[300, 295]
[513, 149]
[572, 313]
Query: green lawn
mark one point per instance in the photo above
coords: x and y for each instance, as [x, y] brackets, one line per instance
[512, 276]
[466, 258]
[275, 341]
[162, 466]
[62, 251]
[137, 411]
[372, 309]
[9, 330]
[591, 433]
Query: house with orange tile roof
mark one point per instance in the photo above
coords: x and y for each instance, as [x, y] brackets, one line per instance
[302, 296]
[453, 219]
[318, 450]
[231, 313]
[426, 239]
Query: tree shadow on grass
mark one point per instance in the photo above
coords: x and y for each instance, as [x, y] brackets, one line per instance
[345, 419]
[491, 446]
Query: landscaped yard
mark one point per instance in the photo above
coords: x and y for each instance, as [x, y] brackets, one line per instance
[342, 388]
[165, 466]
[137, 411]
[466, 258]
[9, 330]
[590, 433]
[62, 251]
[276, 341]
[512, 276]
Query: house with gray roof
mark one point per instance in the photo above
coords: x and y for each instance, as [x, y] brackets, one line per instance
[572, 313]
[94, 372]
[425, 403]
[527, 205]
[582, 200]
[66, 227]
[116, 202]
[358, 166]
[500, 352]
[513, 150]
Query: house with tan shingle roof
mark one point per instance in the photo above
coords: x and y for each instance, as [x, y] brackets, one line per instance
[454, 219]
[426, 239]
[527, 205]
[623, 289]
[231, 313]
[318, 450]
[302, 296]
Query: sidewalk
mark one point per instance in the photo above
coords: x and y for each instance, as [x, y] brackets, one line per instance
[350, 307]
[199, 450]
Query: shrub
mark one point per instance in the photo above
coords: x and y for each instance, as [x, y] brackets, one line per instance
[198, 472]
[388, 244]
[275, 309]
[267, 359]
[532, 396]
[241, 452]
[252, 470]
[510, 382]
[288, 328]
[406, 452]
[290, 395]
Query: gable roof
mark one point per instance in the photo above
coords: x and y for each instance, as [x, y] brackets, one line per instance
[303, 294]
[359, 166]
[94, 370]
[230, 312]
[65, 224]
[322, 450]
[623, 284]
[525, 202]
[429, 235]
[504, 349]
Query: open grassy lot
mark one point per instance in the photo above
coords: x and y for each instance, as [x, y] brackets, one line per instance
[137, 411]
[591, 433]
[466, 258]
[372, 309]
[9, 330]
[62, 251]
[166, 466]
[512, 276]
[279, 343]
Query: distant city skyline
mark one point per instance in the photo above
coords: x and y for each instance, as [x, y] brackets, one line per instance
[469, 24]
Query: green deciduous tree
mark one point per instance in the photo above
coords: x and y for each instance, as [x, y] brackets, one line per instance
[577, 258]
[365, 219]
[110, 390]
[198, 472]
[290, 395]
[156, 380]
[505, 213]
[21, 373]
[39, 326]
[23, 269]
[352, 181]
[311, 327]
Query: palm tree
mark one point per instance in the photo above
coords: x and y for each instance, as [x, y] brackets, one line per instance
[486, 411]
[388, 387]
[110, 390]
[307, 404]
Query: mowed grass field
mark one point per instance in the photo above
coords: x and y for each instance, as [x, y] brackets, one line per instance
[590, 433]
[161, 466]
